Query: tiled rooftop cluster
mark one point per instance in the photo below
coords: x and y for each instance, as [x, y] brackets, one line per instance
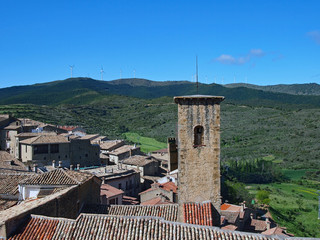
[200, 214]
[89, 226]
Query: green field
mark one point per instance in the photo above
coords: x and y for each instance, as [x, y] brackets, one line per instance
[147, 144]
[294, 205]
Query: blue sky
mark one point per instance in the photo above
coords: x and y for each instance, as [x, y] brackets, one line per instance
[259, 42]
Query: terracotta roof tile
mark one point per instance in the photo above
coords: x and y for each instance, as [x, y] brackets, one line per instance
[110, 145]
[122, 149]
[155, 201]
[168, 212]
[9, 164]
[9, 182]
[198, 213]
[109, 191]
[58, 176]
[99, 227]
[139, 160]
[43, 139]
[259, 225]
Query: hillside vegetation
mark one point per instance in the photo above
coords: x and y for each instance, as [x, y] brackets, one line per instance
[296, 89]
[254, 124]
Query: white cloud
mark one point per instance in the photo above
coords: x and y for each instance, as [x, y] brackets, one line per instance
[229, 59]
[257, 52]
[315, 36]
[226, 59]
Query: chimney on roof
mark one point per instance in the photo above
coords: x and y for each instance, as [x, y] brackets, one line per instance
[268, 223]
[78, 166]
[60, 164]
[54, 163]
[251, 216]
[71, 167]
[35, 168]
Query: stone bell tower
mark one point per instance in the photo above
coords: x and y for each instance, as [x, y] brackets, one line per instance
[199, 150]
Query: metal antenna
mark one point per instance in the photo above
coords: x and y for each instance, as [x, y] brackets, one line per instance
[101, 71]
[197, 74]
[71, 68]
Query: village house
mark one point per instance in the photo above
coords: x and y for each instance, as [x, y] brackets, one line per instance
[120, 153]
[111, 195]
[108, 146]
[43, 149]
[160, 193]
[235, 217]
[147, 165]
[127, 180]
[58, 179]
[5, 120]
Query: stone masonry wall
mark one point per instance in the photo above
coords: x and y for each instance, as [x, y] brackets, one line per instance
[199, 166]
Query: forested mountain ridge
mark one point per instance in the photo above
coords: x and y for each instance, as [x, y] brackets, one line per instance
[295, 89]
[86, 90]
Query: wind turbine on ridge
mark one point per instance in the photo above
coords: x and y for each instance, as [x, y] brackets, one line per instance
[101, 72]
[71, 69]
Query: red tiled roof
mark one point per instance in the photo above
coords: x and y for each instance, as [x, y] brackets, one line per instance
[155, 201]
[109, 191]
[99, 227]
[198, 213]
[229, 227]
[127, 200]
[259, 225]
[68, 128]
[225, 206]
[168, 186]
[46, 228]
[230, 207]
[276, 231]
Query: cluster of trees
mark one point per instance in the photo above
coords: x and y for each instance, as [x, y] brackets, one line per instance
[252, 171]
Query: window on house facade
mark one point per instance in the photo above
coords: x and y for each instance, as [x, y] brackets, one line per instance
[41, 149]
[54, 148]
[198, 136]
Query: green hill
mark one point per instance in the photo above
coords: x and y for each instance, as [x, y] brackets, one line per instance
[296, 89]
[86, 90]
[254, 123]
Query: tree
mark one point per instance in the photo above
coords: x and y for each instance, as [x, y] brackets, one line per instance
[263, 196]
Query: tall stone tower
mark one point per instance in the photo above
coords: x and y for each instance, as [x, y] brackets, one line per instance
[199, 150]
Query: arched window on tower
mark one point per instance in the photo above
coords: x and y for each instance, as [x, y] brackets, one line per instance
[198, 136]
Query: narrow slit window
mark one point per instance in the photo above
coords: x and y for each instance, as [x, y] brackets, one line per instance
[198, 136]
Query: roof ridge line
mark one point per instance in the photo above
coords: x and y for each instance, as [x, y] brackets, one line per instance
[68, 175]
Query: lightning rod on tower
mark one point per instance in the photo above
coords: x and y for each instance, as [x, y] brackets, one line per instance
[197, 74]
